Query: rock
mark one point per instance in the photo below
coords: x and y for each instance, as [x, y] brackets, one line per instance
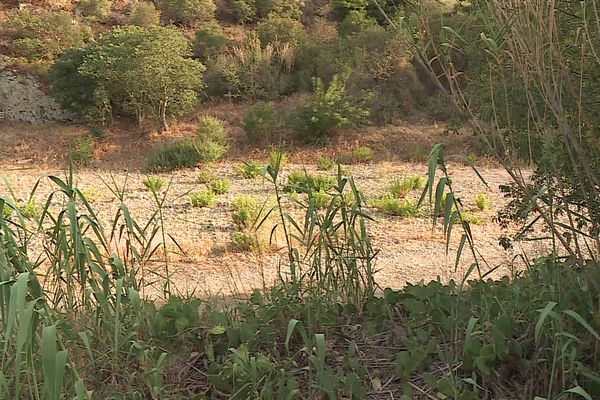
[22, 99]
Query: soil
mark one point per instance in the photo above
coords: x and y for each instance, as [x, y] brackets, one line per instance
[202, 260]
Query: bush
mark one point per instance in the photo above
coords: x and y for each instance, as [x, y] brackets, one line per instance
[188, 12]
[402, 187]
[250, 170]
[97, 9]
[181, 153]
[82, 149]
[211, 129]
[280, 31]
[280, 8]
[243, 10]
[362, 154]
[247, 212]
[326, 163]
[144, 14]
[392, 206]
[153, 183]
[482, 202]
[202, 199]
[209, 40]
[301, 182]
[206, 175]
[220, 186]
[42, 36]
[260, 123]
[328, 109]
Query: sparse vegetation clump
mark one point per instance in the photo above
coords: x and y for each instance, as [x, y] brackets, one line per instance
[220, 186]
[144, 13]
[302, 182]
[326, 164]
[400, 188]
[181, 153]
[206, 198]
[362, 154]
[261, 123]
[397, 207]
[482, 202]
[153, 183]
[82, 149]
[250, 170]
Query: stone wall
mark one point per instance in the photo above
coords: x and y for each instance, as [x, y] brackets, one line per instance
[22, 99]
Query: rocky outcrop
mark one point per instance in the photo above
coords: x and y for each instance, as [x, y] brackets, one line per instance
[22, 99]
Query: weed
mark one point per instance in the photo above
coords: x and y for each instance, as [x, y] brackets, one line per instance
[206, 198]
[301, 182]
[6, 210]
[82, 149]
[206, 175]
[245, 241]
[250, 170]
[261, 123]
[246, 212]
[482, 201]
[220, 186]
[31, 209]
[153, 183]
[182, 153]
[326, 164]
[362, 154]
[400, 188]
[278, 157]
[393, 206]
[92, 195]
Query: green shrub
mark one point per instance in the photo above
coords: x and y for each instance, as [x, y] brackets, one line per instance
[42, 36]
[31, 209]
[260, 123]
[472, 218]
[153, 183]
[181, 153]
[220, 186]
[96, 9]
[206, 198]
[328, 109]
[301, 182]
[206, 175]
[212, 139]
[397, 207]
[362, 154]
[279, 8]
[246, 212]
[402, 187]
[82, 149]
[319, 198]
[209, 40]
[6, 210]
[144, 13]
[243, 10]
[280, 31]
[188, 12]
[209, 151]
[326, 164]
[246, 241]
[482, 201]
[250, 170]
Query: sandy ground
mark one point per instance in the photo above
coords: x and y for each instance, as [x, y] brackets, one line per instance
[203, 262]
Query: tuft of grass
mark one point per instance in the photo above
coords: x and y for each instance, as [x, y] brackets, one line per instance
[220, 186]
[362, 154]
[482, 201]
[326, 164]
[400, 188]
[246, 210]
[206, 198]
[278, 156]
[397, 207]
[153, 183]
[246, 241]
[301, 182]
[206, 175]
[250, 170]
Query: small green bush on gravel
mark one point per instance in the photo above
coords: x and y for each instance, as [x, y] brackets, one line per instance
[202, 199]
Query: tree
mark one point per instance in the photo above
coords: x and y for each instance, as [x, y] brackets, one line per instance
[140, 70]
[188, 12]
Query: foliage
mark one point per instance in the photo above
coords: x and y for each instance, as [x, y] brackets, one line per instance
[181, 153]
[82, 149]
[243, 10]
[206, 175]
[482, 201]
[362, 154]
[261, 123]
[136, 70]
[211, 141]
[153, 183]
[279, 158]
[400, 188]
[397, 207]
[220, 186]
[280, 31]
[326, 110]
[326, 163]
[247, 212]
[31, 209]
[187, 12]
[210, 40]
[250, 71]
[250, 170]
[42, 36]
[245, 241]
[96, 9]
[302, 182]
[206, 198]
[145, 14]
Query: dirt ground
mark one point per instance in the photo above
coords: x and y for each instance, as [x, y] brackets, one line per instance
[203, 262]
